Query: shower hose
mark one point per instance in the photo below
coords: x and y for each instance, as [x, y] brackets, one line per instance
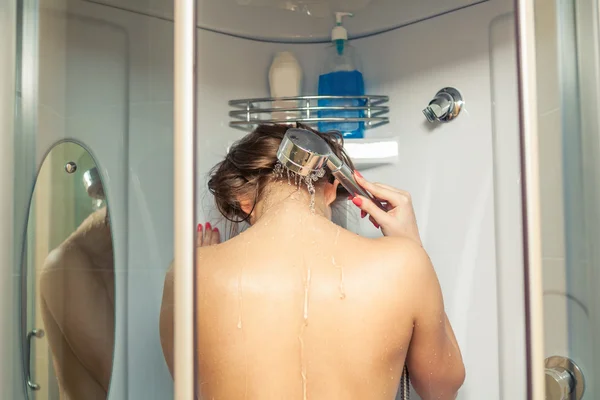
[404, 385]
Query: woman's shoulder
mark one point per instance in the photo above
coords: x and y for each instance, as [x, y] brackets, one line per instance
[398, 256]
[397, 270]
[400, 248]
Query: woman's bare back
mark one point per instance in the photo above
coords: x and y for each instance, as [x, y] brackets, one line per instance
[297, 307]
[313, 312]
[77, 304]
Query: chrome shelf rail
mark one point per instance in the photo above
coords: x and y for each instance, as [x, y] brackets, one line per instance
[248, 113]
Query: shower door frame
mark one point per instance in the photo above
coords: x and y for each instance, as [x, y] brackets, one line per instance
[530, 181]
[23, 170]
[185, 198]
[10, 377]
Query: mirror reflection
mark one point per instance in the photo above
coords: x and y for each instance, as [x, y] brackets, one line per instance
[70, 280]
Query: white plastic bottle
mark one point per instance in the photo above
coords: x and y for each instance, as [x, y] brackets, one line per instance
[285, 80]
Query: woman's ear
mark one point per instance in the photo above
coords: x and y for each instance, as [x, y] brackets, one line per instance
[246, 206]
[331, 192]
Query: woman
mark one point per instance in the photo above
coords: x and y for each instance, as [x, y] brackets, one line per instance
[77, 304]
[297, 307]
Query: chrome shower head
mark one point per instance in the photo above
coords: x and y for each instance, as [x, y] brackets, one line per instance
[93, 184]
[304, 152]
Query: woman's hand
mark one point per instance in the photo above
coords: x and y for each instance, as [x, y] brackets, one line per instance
[399, 220]
[207, 235]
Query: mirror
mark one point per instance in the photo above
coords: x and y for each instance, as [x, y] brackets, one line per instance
[69, 282]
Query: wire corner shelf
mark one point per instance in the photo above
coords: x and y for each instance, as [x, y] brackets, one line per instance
[311, 110]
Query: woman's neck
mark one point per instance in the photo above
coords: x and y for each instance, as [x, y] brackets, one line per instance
[280, 197]
[94, 234]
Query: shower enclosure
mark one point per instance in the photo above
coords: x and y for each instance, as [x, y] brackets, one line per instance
[115, 110]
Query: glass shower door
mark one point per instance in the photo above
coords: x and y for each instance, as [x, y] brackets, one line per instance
[96, 75]
[568, 66]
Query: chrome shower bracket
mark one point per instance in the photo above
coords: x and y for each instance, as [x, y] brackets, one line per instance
[445, 106]
[564, 379]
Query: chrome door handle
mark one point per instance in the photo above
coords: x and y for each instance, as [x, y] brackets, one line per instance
[564, 380]
[38, 333]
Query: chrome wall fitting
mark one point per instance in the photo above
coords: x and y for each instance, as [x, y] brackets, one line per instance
[445, 106]
[564, 379]
[70, 167]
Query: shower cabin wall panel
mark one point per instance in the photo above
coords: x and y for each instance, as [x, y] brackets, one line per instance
[106, 82]
[449, 169]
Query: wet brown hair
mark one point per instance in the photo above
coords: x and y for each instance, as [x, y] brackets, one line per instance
[248, 168]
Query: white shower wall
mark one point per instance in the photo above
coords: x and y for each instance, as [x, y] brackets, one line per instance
[106, 79]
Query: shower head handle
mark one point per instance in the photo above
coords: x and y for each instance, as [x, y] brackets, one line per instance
[303, 152]
[93, 184]
[345, 175]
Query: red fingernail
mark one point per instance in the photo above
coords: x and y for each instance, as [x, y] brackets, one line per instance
[350, 197]
[216, 230]
[359, 174]
[363, 214]
[357, 201]
[376, 225]
[208, 227]
[199, 228]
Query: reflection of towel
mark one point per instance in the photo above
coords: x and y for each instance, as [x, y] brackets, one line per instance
[93, 184]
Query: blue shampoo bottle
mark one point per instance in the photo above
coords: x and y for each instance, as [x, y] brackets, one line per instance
[341, 76]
